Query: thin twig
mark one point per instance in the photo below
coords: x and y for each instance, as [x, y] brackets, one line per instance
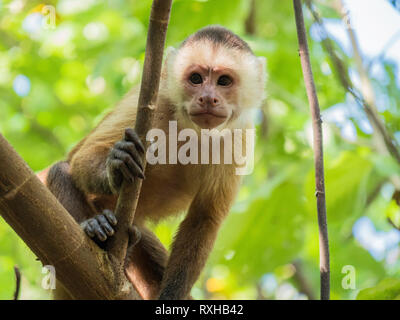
[392, 223]
[374, 193]
[368, 94]
[250, 29]
[17, 282]
[341, 70]
[302, 281]
[250, 23]
[129, 195]
[318, 151]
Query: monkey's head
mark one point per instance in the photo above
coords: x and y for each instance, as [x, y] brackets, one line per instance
[213, 79]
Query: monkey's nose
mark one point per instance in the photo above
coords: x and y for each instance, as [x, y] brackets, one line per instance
[208, 101]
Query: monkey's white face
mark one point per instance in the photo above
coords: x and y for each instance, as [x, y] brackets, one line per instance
[210, 94]
[214, 85]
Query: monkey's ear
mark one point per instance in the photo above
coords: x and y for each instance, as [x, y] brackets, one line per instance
[170, 53]
[263, 63]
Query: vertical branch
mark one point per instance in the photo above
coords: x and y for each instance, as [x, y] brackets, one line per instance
[250, 29]
[129, 194]
[318, 151]
[17, 282]
[299, 277]
[250, 23]
[383, 140]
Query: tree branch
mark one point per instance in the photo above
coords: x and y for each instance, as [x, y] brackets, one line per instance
[318, 150]
[85, 270]
[250, 29]
[129, 194]
[302, 281]
[250, 23]
[17, 282]
[391, 222]
[382, 137]
[368, 94]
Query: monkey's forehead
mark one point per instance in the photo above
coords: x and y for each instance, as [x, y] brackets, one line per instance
[212, 55]
[219, 35]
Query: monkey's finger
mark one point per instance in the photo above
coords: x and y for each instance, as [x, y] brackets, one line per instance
[105, 225]
[131, 135]
[98, 230]
[88, 229]
[126, 172]
[130, 148]
[132, 166]
[134, 235]
[110, 217]
[120, 165]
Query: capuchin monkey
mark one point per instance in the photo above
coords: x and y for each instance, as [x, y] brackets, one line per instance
[210, 82]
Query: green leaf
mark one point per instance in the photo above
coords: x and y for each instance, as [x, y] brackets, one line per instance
[387, 289]
[346, 185]
[270, 227]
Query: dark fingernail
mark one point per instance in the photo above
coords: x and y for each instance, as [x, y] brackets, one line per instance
[111, 218]
[102, 236]
[89, 231]
[109, 230]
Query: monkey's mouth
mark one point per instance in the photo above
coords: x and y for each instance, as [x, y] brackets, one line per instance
[208, 120]
[208, 113]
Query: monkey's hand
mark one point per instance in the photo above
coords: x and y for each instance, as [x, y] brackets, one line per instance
[100, 228]
[124, 160]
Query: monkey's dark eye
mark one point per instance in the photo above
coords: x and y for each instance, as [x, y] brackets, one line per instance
[224, 81]
[195, 78]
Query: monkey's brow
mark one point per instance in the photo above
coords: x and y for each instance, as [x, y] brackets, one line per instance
[209, 69]
[203, 67]
[223, 69]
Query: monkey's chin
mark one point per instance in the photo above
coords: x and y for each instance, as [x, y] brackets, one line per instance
[207, 120]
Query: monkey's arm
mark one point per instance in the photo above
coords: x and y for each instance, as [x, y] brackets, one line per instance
[89, 159]
[146, 262]
[195, 239]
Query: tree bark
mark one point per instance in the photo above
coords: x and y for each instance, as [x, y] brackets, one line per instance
[318, 151]
[129, 195]
[85, 270]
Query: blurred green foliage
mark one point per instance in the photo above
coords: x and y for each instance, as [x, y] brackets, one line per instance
[69, 76]
[387, 289]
